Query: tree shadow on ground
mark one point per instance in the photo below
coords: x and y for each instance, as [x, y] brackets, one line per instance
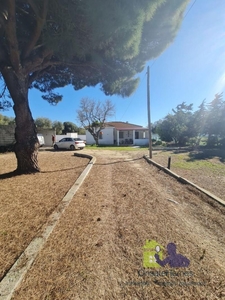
[9, 175]
[207, 154]
[14, 173]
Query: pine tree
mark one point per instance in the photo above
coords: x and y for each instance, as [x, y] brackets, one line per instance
[47, 44]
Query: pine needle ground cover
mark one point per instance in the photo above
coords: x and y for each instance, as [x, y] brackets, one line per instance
[26, 201]
[96, 250]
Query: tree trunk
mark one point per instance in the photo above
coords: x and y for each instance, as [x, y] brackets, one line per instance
[26, 147]
[96, 139]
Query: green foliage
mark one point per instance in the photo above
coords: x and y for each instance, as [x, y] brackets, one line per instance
[177, 127]
[81, 131]
[58, 126]
[185, 126]
[4, 120]
[69, 127]
[215, 125]
[48, 44]
[43, 123]
[158, 143]
[63, 42]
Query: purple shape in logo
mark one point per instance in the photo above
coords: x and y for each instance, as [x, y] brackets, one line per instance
[173, 259]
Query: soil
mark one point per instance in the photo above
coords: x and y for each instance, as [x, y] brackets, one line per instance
[96, 250]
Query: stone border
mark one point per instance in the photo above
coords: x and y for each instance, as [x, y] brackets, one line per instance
[184, 180]
[15, 275]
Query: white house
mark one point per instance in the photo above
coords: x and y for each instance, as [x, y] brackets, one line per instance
[120, 133]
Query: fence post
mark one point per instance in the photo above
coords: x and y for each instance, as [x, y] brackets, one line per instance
[169, 162]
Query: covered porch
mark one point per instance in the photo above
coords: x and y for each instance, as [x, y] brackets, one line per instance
[136, 137]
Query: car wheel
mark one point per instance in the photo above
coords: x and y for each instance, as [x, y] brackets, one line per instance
[72, 147]
[56, 147]
[81, 148]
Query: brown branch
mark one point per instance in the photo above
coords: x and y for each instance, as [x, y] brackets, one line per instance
[40, 19]
[30, 64]
[44, 65]
[11, 37]
[3, 56]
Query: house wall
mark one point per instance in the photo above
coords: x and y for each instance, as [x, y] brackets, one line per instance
[107, 137]
[7, 136]
[141, 142]
[47, 134]
[82, 136]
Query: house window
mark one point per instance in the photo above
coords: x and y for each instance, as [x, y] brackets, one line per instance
[121, 134]
[136, 135]
[100, 135]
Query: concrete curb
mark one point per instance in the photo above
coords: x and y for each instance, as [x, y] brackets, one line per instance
[15, 275]
[184, 180]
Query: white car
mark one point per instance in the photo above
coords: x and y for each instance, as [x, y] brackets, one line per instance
[69, 143]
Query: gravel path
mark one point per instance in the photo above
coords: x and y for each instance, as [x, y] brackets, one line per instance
[96, 251]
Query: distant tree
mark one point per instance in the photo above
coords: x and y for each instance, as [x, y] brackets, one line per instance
[81, 131]
[4, 120]
[69, 127]
[199, 122]
[58, 126]
[43, 123]
[177, 126]
[48, 44]
[163, 129]
[92, 115]
[215, 122]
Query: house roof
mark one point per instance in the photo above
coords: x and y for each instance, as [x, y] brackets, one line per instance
[123, 125]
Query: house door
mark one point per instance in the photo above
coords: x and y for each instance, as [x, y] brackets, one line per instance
[136, 135]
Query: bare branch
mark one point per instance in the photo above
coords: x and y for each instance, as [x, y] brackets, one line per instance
[11, 37]
[92, 115]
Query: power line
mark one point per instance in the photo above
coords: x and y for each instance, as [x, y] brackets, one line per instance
[133, 97]
[190, 8]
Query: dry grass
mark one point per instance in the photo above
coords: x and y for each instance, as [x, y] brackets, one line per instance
[26, 201]
[95, 251]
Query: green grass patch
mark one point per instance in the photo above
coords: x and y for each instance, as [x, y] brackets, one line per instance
[201, 164]
[194, 161]
[119, 148]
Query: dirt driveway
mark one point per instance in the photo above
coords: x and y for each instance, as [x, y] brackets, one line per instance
[96, 250]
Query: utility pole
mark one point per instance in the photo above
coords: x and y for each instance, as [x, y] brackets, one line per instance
[149, 115]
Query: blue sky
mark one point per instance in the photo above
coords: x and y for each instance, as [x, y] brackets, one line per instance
[191, 69]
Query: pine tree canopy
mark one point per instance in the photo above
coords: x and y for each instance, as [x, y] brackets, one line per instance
[48, 44]
[83, 43]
